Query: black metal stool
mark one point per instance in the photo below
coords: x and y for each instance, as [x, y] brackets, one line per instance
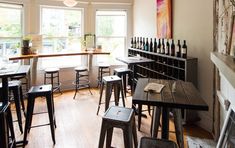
[82, 79]
[40, 91]
[24, 83]
[147, 142]
[122, 73]
[111, 82]
[16, 88]
[118, 117]
[103, 69]
[51, 74]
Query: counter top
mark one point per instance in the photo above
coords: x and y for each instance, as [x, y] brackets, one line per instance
[41, 55]
[226, 65]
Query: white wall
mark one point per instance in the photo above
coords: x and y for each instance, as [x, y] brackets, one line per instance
[192, 21]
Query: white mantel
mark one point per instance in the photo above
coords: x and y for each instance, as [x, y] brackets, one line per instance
[226, 66]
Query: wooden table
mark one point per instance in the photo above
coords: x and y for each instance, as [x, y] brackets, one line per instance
[186, 96]
[5, 73]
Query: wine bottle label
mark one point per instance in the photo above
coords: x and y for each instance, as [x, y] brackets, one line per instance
[177, 49]
[183, 50]
[166, 51]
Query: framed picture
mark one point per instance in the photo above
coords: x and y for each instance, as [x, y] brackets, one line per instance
[90, 40]
[164, 18]
[231, 45]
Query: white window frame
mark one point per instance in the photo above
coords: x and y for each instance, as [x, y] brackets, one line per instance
[112, 37]
[82, 33]
[21, 8]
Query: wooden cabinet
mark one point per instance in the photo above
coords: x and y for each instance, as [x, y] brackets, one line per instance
[166, 67]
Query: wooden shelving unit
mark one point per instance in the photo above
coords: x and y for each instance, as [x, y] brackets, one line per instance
[166, 67]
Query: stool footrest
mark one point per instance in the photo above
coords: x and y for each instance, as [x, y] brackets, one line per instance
[39, 125]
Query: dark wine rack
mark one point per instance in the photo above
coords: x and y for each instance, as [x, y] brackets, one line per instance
[166, 67]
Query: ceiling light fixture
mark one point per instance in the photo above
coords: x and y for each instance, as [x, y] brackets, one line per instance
[70, 3]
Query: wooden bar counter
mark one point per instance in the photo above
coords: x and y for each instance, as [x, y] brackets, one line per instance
[35, 57]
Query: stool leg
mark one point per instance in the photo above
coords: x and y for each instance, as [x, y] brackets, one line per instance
[108, 94]
[127, 132]
[139, 116]
[122, 93]
[155, 122]
[109, 137]
[116, 94]
[53, 108]
[22, 101]
[76, 85]
[51, 116]
[102, 134]
[29, 115]
[18, 110]
[124, 84]
[58, 82]
[101, 93]
[45, 78]
[134, 131]
[99, 78]
[11, 127]
[52, 84]
[178, 127]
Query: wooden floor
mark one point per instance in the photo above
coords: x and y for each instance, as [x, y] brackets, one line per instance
[78, 126]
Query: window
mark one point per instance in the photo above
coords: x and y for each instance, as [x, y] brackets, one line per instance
[61, 29]
[10, 29]
[111, 31]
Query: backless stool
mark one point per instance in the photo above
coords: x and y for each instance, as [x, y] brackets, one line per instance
[122, 73]
[118, 117]
[111, 82]
[147, 142]
[82, 79]
[40, 91]
[103, 69]
[25, 82]
[16, 88]
[51, 74]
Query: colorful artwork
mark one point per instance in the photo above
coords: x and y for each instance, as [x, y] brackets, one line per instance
[164, 21]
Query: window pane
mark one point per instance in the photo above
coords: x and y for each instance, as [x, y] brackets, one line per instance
[115, 45]
[61, 22]
[111, 23]
[10, 29]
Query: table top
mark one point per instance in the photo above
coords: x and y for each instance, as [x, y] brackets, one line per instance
[43, 55]
[14, 70]
[185, 96]
[134, 60]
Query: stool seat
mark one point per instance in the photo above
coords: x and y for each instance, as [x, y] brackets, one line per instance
[14, 83]
[111, 78]
[80, 69]
[103, 65]
[40, 90]
[147, 142]
[51, 70]
[118, 114]
[122, 70]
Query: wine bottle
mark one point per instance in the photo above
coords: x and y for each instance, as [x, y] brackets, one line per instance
[132, 42]
[184, 50]
[155, 45]
[159, 46]
[167, 48]
[137, 43]
[151, 45]
[172, 48]
[146, 45]
[134, 45]
[163, 47]
[141, 43]
[178, 49]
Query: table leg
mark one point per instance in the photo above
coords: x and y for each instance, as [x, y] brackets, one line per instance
[5, 90]
[155, 123]
[165, 123]
[139, 115]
